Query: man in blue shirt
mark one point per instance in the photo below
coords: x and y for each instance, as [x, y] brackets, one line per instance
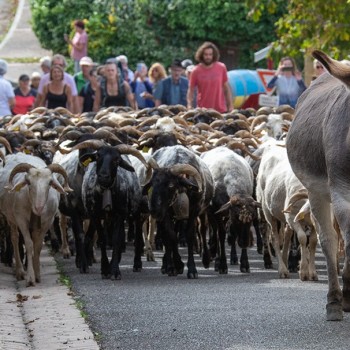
[172, 90]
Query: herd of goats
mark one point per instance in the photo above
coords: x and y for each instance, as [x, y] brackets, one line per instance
[194, 176]
[171, 175]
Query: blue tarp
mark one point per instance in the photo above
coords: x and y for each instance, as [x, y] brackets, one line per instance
[245, 82]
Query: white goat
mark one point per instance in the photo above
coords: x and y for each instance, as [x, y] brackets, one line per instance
[29, 196]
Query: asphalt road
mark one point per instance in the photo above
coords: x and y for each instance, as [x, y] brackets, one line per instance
[148, 310]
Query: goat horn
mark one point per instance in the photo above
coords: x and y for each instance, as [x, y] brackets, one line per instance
[258, 120]
[287, 116]
[7, 145]
[38, 110]
[243, 148]
[94, 144]
[70, 135]
[149, 134]
[148, 121]
[19, 168]
[246, 134]
[2, 156]
[56, 168]
[125, 149]
[187, 169]
[105, 134]
[62, 110]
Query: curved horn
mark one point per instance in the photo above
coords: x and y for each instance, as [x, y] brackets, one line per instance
[246, 134]
[234, 144]
[250, 142]
[285, 108]
[125, 149]
[187, 169]
[153, 163]
[287, 116]
[217, 123]
[148, 121]
[223, 140]
[56, 168]
[39, 110]
[94, 144]
[264, 111]
[241, 123]
[107, 135]
[70, 135]
[32, 142]
[62, 110]
[7, 145]
[19, 168]
[215, 114]
[258, 120]
[181, 121]
[149, 134]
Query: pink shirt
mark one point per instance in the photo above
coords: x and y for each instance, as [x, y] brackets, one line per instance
[210, 86]
[79, 38]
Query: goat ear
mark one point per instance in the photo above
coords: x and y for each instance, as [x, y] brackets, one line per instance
[146, 188]
[87, 158]
[17, 186]
[57, 186]
[187, 182]
[126, 165]
[224, 208]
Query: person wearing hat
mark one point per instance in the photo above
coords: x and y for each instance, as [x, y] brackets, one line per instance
[82, 77]
[172, 90]
[35, 80]
[24, 96]
[7, 96]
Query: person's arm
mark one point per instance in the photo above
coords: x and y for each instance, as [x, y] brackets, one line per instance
[41, 98]
[97, 102]
[130, 96]
[79, 45]
[12, 102]
[228, 96]
[70, 102]
[190, 96]
[158, 93]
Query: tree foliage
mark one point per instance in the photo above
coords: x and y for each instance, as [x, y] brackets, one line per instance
[308, 25]
[155, 30]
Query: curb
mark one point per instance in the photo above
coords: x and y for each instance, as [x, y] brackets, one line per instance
[41, 317]
[14, 23]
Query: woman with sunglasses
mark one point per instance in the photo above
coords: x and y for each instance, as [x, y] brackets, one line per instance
[288, 81]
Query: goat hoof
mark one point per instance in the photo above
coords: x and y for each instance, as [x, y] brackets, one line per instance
[137, 269]
[268, 266]
[334, 312]
[259, 250]
[245, 269]
[223, 271]
[116, 277]
[192, 275]
[234, 261]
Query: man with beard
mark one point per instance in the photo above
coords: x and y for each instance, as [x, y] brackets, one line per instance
[210, 78]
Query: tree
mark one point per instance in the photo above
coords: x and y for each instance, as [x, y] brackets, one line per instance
[308, 25]
[154, 30]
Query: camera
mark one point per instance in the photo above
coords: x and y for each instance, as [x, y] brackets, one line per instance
[139, 67]
[287, 69]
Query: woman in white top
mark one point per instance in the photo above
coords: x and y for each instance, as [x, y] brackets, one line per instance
[7, 96]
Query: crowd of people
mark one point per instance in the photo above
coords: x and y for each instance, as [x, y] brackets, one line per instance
[114, 84]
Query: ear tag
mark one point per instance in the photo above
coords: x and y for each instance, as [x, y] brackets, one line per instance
[149, 193]
[145, 149]
[86, 162]
[26, 151]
